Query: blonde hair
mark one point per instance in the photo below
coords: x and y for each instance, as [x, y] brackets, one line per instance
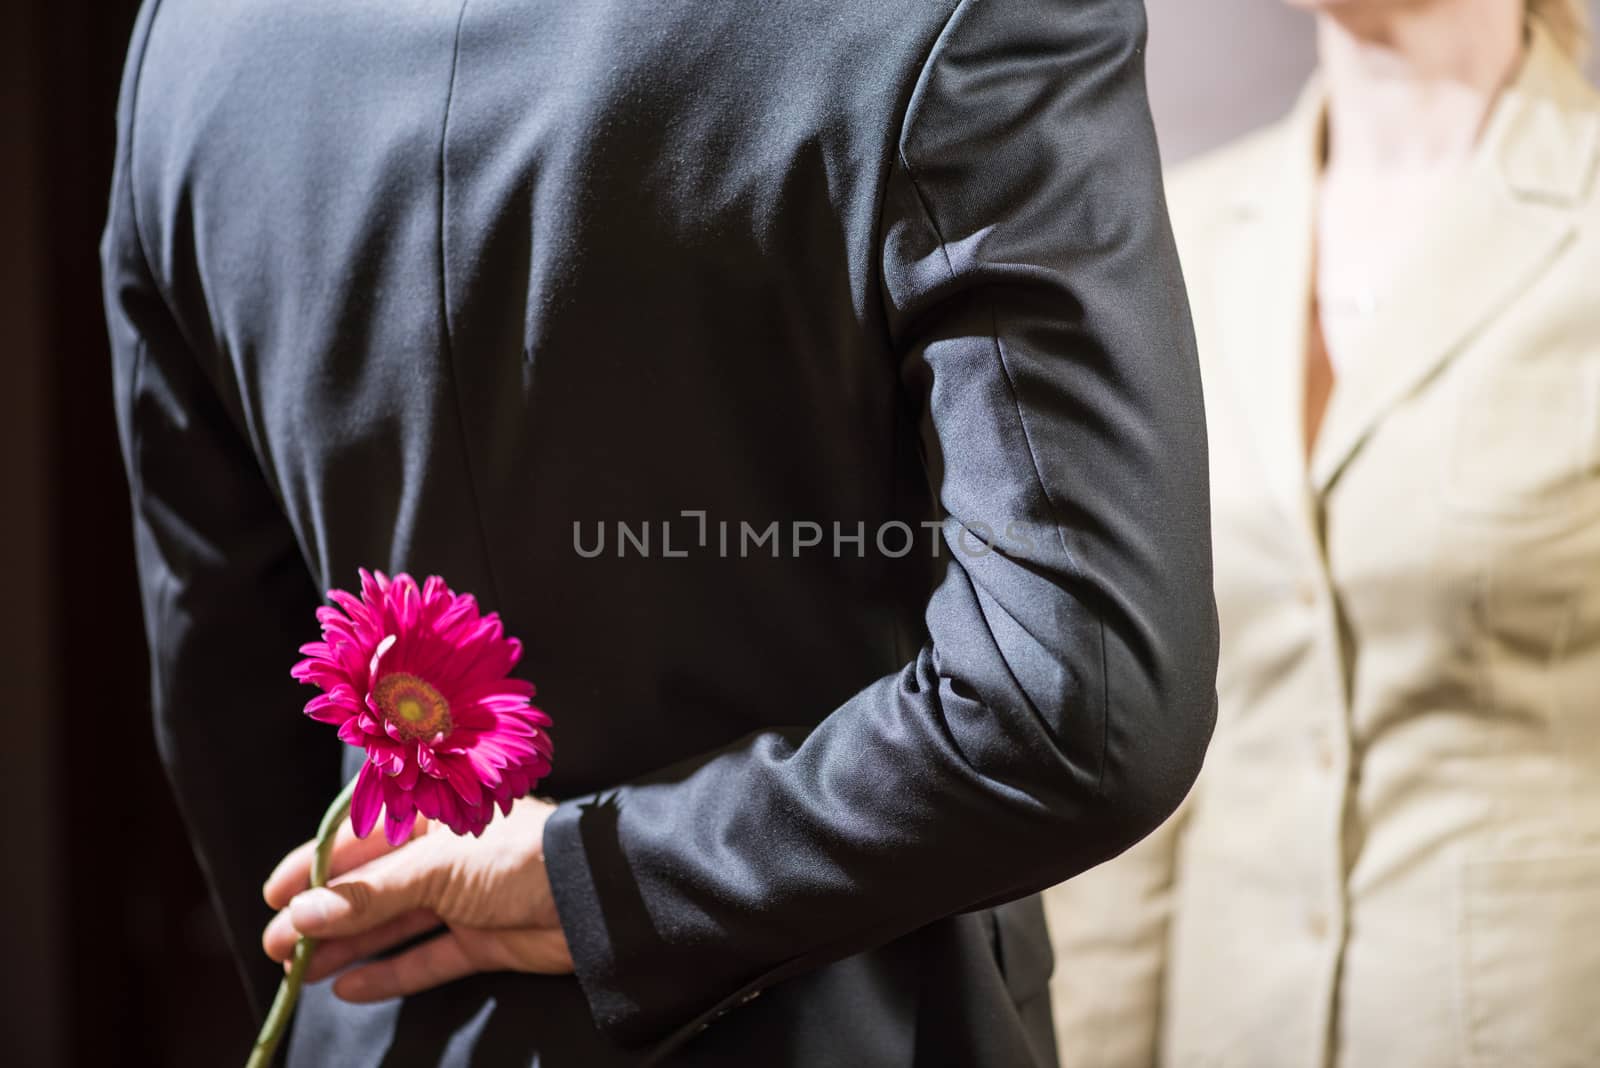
[1568, 23]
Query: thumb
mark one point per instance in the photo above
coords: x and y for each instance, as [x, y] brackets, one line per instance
[370, 895]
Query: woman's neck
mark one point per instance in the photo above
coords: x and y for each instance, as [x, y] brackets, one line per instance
[1410, 85]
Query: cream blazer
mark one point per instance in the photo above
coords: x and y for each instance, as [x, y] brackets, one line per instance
[1392, 858]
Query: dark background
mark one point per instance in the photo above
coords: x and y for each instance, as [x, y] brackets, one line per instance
[110, 952]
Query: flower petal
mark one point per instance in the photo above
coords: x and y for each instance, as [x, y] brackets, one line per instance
[426, 797]
[406, 777]
[399, 814]
[407, 601]
[458, 772]
[350, 732]
[333, 707]
[377, 654]
[428, 762]
[435, 594]
[367, 800]
[373, 583]
[390, 757]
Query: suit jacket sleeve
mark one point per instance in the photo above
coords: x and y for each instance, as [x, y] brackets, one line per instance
[1061, 704]
[226, 593]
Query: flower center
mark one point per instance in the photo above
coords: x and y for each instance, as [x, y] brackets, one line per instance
[416, 709]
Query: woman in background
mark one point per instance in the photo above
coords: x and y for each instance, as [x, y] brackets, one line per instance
[1393, 856]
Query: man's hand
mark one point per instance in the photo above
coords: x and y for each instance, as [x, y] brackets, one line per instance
[490, 893]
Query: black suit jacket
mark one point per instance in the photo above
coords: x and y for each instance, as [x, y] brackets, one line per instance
[461, 287]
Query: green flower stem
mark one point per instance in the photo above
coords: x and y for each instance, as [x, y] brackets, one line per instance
[289, 990]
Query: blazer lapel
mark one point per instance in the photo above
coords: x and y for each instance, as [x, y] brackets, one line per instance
[1264, 265]
[1504, 221]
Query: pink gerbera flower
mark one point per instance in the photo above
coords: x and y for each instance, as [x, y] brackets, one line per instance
[419, 679]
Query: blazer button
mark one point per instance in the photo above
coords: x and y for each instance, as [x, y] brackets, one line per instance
[1317, 924]
[1308, 594]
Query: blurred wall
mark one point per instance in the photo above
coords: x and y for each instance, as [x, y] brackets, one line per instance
[1221, 67]
[31, 878]
[112, 955]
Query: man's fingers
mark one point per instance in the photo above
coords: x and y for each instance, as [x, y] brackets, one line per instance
[438, 960]
[330, 957]
[293, 873]
[278, 941]
[372, 894]
[541, 950]
[451, 956]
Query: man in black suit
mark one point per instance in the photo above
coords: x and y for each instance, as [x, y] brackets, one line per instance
[808, 382]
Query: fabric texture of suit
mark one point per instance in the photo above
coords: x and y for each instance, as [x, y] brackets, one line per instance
[1393, 852]
[454, 287]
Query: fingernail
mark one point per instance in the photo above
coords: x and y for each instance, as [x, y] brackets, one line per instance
[314, 908]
